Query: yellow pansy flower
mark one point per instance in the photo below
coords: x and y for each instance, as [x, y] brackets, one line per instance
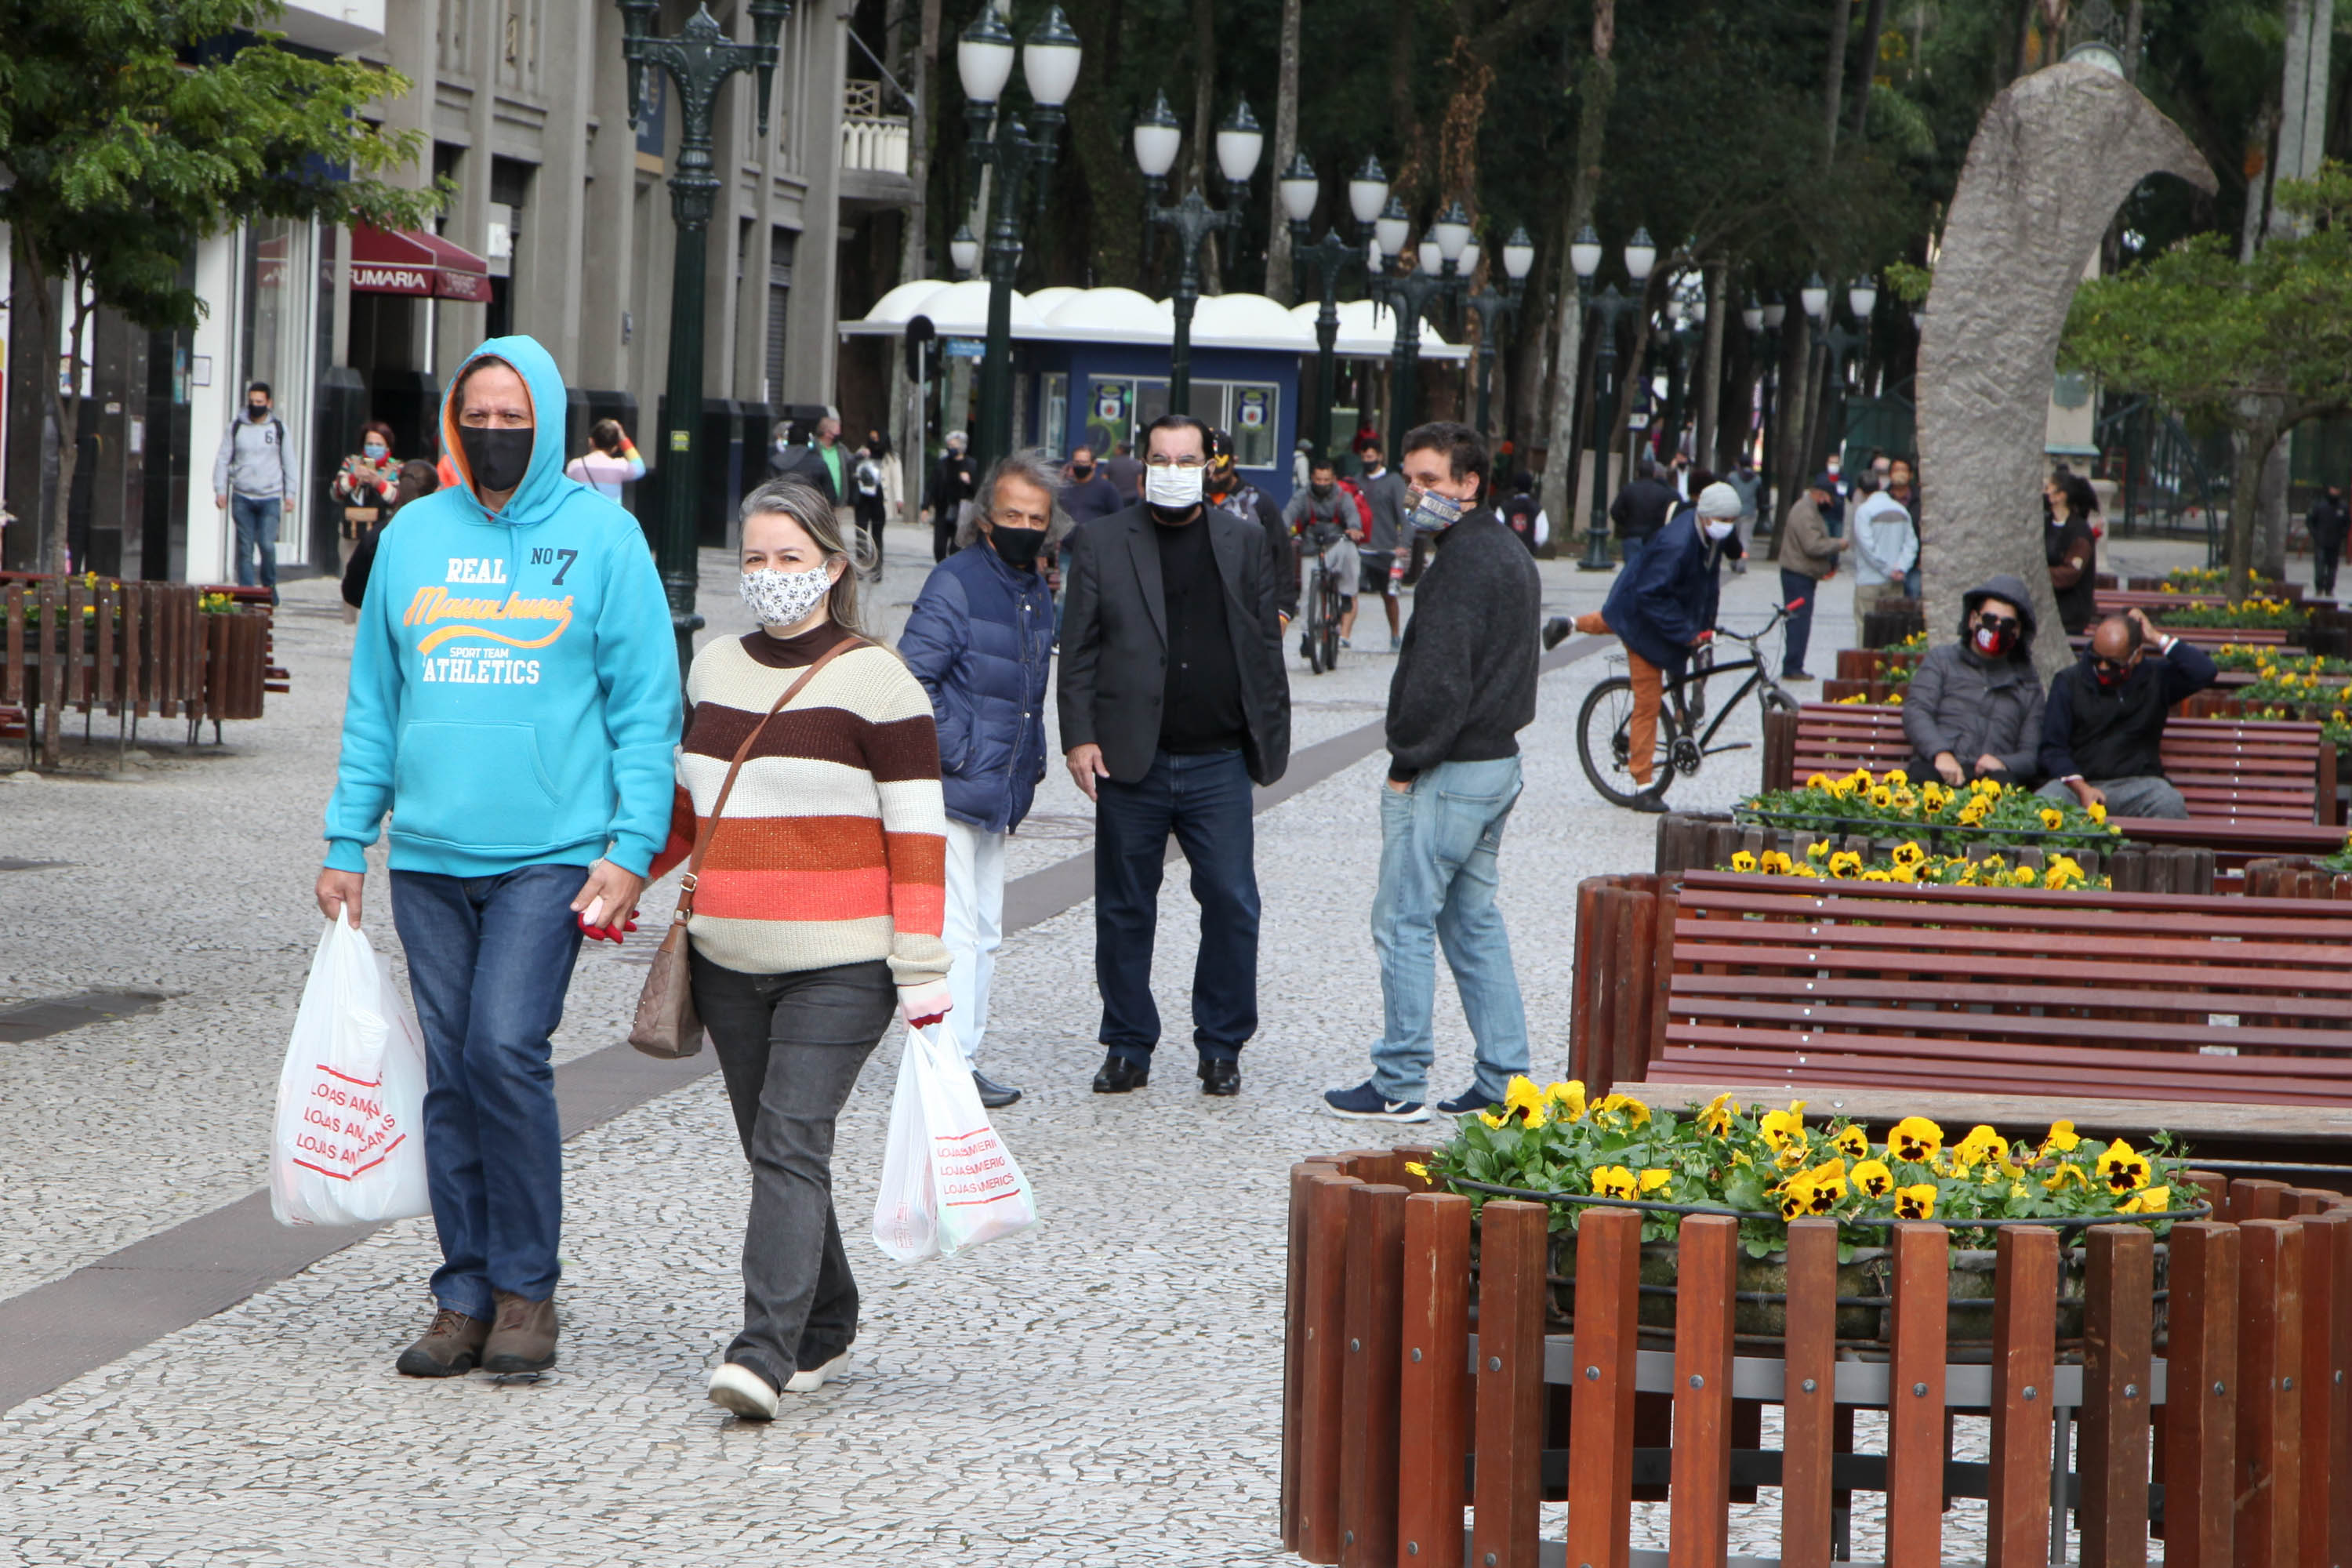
[1654, 1180]
[1415, 1169]
[2122, 1169]
[1915, 1139]
[1852, 1142]
[1570, 1097]
[1743, 861]
[1916, 1201]
[2052, 818]
[1614, 1182]
[1716, 1119]
[1874, 1178]
[2062, 1138]
[2150, 1200]
[1783, 1128]
[1977, 1147]
[1624, 1105]
[1819, 849]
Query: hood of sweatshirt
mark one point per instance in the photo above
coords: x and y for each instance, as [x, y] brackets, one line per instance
[543, 487]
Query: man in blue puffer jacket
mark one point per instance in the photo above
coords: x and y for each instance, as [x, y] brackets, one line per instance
[981, 640]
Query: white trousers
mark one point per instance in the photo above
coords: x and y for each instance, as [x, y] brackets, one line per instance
[974, 929]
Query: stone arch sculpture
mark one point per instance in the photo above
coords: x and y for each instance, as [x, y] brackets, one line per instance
[2054, 156]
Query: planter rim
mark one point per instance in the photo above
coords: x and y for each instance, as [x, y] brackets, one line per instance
[2079, 1221]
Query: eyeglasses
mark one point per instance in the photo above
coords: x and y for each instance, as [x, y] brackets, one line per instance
[1162, 461]
[1998, 622]
[2115, 667]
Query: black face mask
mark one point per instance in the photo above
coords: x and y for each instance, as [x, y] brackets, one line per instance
[497, 458]
[1018, 547]
[1081, 471]
[256, 412]
[1322, 492]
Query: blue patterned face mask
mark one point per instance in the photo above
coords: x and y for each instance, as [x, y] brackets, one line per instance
[1434, 514]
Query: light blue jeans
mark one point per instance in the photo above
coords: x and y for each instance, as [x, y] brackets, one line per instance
[1438, 843]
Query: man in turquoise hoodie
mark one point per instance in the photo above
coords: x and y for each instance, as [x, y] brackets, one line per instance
[514, 701]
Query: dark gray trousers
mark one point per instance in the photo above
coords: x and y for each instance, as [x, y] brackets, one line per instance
[791, 1046]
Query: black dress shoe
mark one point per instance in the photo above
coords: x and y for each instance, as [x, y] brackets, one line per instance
[1121, 1074]
[992, 1094]
[1221, 1077]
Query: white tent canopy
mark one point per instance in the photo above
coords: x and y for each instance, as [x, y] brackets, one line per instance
[1124, 316]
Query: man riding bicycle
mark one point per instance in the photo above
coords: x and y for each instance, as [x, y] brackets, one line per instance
[1662, 607]
[1327, 520]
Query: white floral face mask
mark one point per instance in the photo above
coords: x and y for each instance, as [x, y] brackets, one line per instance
[785, 598]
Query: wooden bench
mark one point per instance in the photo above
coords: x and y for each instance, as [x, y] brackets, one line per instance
[2015, 990]
[2229, 768]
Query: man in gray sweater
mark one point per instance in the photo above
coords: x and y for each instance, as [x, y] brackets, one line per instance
[1381, 555]
[250, 483]
[1464, 686]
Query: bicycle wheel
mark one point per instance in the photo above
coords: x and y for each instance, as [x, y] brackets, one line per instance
[1601, 743]
[1315, 626]
[1330, 597]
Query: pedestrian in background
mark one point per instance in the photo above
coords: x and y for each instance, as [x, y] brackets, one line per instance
[952, 484]
[816, 910]
[1465, 688]
[1640, 509]
[610, 462]
[1884, 550]
[417, 477]
[1523, 514]
[1324, 522]
[1903, 485]
[1226, 489]
[249, 484]
[1380, 555]
[2327, 525]
[1749, 483]
[980, 641]
[869, 504]
[1089, 494]
[894, 480]
[1124, 470]
[525, 765]
[1173, 699]
[1809, 558]
[2070, 548]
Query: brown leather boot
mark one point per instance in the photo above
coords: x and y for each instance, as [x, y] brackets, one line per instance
[524, 1339]
[450, 1347]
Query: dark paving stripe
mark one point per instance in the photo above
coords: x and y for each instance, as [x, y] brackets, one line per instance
[132, 1297]
[46, 1015]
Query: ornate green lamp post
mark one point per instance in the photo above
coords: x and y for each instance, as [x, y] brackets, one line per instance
[1438, 279]
[1494, 309]
[1367, 194]
[1049, 64]
[697, 61]
[1602, 420]
[1239, 143]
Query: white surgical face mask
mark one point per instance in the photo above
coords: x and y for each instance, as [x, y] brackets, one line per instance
[1173, 487]
[785, 598]
[1718, 529]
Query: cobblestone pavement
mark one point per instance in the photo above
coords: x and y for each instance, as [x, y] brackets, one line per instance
[1105, 1384]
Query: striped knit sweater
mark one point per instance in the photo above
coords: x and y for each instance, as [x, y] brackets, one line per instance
[833, 848]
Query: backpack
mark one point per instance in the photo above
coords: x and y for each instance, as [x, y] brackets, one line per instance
[1363, 508]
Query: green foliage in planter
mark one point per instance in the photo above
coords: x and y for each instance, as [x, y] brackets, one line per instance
[2342, 860]
[2283, 613]
[1909, 864]
[1890, 807]
[1768, 1167]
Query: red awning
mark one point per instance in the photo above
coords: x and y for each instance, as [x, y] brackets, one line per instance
[409, 261]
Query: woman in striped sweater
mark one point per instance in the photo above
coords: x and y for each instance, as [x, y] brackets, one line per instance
[816, 912]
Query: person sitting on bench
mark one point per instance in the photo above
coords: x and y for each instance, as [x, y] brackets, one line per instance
[2102, 728]
[1973, 708]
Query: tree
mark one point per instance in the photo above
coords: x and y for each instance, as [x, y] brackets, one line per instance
[1599, 85]
[132, 131]
[2256, 346]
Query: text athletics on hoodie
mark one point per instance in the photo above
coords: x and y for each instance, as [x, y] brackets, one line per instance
[514, 682]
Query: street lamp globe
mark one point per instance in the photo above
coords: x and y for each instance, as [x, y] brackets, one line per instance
[1862, 299]
[1451, 231]
[1239, 141]
[1751, 315]
[1468, 263]
[1432, 255]
[1157, 139]
[1050, 64]
[1641, 254]
[1519, 254]
[1585, 253]
[1390, 227]
[1815, 297]
[985, 57]
[1298, 188]
[963, 250]
[1775, 314]
[1368, 191]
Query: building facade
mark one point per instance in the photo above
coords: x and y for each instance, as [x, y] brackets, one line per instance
[557, 224]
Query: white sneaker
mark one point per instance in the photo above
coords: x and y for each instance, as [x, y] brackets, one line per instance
[808, 1380]
[744, 1392]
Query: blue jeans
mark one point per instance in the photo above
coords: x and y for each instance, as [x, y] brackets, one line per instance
[490, 959]
[1631, 548]
[257, 529]
[1911, 583]
[1798, 630]
[1204, 801]
[1438, 843]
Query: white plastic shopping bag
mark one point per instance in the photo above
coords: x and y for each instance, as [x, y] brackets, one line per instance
[947, 1180]
[349, 1141]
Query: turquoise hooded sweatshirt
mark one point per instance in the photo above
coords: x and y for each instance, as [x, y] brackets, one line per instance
[514, 692]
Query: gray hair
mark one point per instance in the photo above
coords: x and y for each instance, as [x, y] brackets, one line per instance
[805, 505]
[1031, 466]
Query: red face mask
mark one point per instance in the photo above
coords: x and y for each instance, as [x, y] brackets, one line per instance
[1994, 637]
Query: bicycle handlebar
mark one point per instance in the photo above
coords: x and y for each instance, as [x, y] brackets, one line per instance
[1779, 614]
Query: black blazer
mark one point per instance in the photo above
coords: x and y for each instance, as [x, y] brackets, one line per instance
[1115, 641]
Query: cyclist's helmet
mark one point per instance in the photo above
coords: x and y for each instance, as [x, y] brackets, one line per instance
[1221, 477]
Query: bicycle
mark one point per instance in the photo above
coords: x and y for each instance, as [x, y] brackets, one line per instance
[1601, 742]
[1319, 643]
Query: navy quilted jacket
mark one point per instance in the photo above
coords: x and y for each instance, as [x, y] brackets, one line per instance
[981, 640]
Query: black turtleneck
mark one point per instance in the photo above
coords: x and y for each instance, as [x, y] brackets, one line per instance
[1201, 697]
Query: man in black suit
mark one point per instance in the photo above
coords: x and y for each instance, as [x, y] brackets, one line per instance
[1173, 699]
